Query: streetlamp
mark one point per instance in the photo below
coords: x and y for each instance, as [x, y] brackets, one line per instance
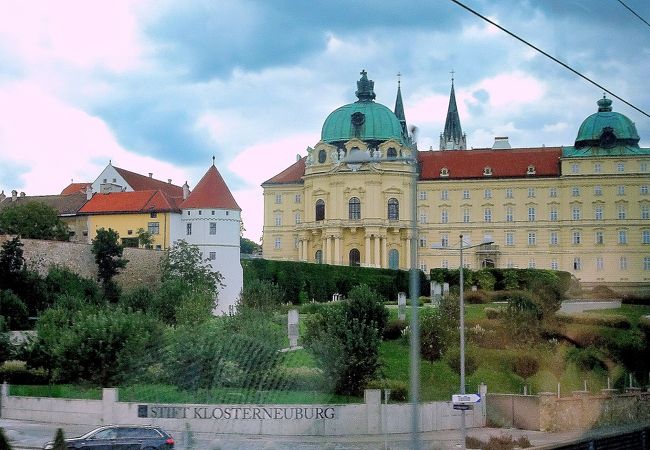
[461, 302]
[354, 161]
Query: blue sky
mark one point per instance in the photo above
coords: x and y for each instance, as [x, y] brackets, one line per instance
[161, 86]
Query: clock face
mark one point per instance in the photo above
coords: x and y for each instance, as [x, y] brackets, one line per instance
[607, 138]
[358, 118]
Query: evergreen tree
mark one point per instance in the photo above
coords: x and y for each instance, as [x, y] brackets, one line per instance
[59, 440]
[108, 254]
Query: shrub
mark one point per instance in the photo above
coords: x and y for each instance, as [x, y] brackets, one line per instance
[300, 378]
[493, 313]
[16, 372]
[14, 310]
[435, 334]
[603, 292]
[606, 320]
[476, 297]
[62, 281]
[586, 358]
[485, 280]
[525, 365]
[399, 390]
[314, 307]
[452, 358]
[644, 325]
[394, 329]
[261, 294]
[367, 306]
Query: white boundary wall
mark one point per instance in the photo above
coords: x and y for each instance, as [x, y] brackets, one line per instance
[206, 421]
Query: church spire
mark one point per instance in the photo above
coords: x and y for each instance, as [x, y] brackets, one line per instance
[399, 107]
[453, 138]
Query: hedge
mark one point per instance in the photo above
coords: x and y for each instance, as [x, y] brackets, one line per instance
[606, 320]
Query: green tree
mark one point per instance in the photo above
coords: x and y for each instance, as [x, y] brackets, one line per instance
[33, 220]
[108, 254]
[247, 246]
[14, 311]
[4, 442]
[184, 261]
[261, 294]
[59, 440]
[6, 349]
[145, 238]
[11, 257]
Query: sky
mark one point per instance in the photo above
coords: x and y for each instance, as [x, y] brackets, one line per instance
[163, 86]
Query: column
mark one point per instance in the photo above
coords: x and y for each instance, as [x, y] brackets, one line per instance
[384, 253]
[324, 249]
[408, 253]
[377, 260]
[367, 261]
[329, 246]
[337, 250]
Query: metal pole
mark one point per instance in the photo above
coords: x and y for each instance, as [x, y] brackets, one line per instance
[462, 344]
[415, 331]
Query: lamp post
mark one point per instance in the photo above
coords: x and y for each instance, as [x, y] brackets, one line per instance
[461, 301]
[354, 161]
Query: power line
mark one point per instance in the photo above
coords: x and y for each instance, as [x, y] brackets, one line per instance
[566, 66]
[634, 12]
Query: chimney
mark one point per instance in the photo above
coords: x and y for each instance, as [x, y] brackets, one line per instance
[2, 195]
[22, 194]
[89, 192]
[14, 195]
[150, 174]
[169, 180]
[501, 142]
[186, 191]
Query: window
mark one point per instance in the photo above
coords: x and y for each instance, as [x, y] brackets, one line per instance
[153, 227]
[423, 217]
[423, 242]
[278, 199]
[444, 216]
[510, 239]
[622, 237]
[466, 194]
[598, 212]
[620, 167]
[531, 213]
[575, 168]
[200, 212]
[322, 156]
[553, 238]
[355, 257]
[645, 236]
[423, 195]
[487, 193]
[320, 210]
[531, 264]
[213, 228]
[575, 191]
[188, 213]
[554, 265]
[445, 264]
[645, 212]
[393, 259]
[643, 166]
[487, 171]
[393, 208]
[552, 192]
[444, 194]
[354, 209]
[598, 191]
[213, 212]
[552, 214]
[576, 238]
[622, 263]
[487, 215]
[575, 212]
[577, 264]
[646, 263]
[444, 240]
[278, 243]
[643, 190]
[598, 168]
[444, 172]
[153, 215]
[318, 257]
[600, 238]
[509, 214]
[391, 153]
[188, 229]
[466, 215]
[530, 170]
[531, 192]
[297, 198]
[620, 190]
[508, 192]
[600, 265]
[532, 238]
[213, 256]
[622, 212]
[298, 218]
[278, 219]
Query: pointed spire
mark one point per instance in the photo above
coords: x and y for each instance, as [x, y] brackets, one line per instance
[399, 106]
[452, 138]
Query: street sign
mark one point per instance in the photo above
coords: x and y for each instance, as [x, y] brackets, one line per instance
[463, 407]
[465, 398]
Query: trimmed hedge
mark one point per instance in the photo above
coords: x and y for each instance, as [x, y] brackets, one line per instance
[301, 280]
[605, 320]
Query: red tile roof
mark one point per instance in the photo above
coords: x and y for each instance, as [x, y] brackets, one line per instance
[462, 164]
[75, 188]
[142, 183]
[211, 192]
[290, 175]
[130, 202]
[505, 163]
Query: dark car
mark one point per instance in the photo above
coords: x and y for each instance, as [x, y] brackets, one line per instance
[121, 437]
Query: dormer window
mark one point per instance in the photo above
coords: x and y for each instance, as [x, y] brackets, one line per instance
[391, 153]
[444, 172]
[530, 170]
[487, 171]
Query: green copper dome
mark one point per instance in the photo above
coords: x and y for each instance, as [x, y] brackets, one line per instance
[607, 129]
[364, 119]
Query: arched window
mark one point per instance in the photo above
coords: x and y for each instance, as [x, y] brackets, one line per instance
[391, 153]
[355, 257]
[319, 257]
[354, 208]
[320, 209]
[393, 259]
[393, 209]
[322, 156]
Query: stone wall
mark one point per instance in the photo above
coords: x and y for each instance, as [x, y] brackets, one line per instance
[141, 270]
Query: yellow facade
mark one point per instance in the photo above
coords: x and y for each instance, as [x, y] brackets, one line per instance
[127, 225]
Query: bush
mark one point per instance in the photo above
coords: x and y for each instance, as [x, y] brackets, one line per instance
[493, 313]
[16, 372]
[62, 281]
[644, 325]
[476, 297]
[367, 306]
[452, 358]
[399, 390]
[603, 292]
[14, 310]
[261, 294]
[300, 378]
[485, 280]
[605, 320]
[586, 359]
[435, 335]
[394, 329]
[525, 365]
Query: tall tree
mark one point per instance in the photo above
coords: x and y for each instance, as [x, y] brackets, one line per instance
[108, 254]
[33, 220]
